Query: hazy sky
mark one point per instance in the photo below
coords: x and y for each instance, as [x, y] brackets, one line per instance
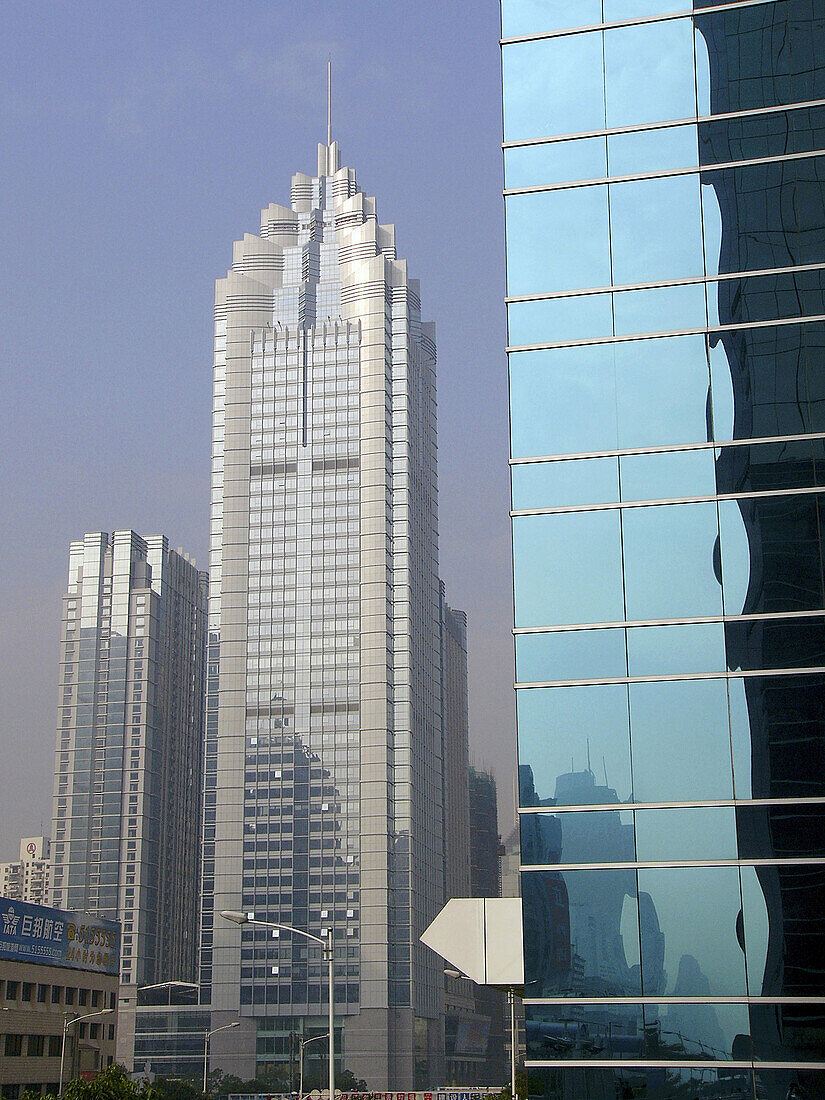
[137, 142]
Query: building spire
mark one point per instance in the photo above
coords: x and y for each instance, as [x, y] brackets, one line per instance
[329, 101]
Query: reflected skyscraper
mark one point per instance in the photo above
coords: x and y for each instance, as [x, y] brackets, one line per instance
[324, 642]
[665, 206]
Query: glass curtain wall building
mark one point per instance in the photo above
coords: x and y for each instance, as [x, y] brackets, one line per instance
[665, 218]
[323, 781]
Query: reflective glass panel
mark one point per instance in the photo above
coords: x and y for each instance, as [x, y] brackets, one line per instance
[688, 954]
[567, 569]
[538, 16]
[680, 741]
[557, 240]
[776, 643]
[660, 309]
[676, 650]
[553, 86]
[615, 10]
[555, 320]
[649, 70]
[559, 730]
[562, 484]
[563, 401]
[669, 566]
[686, 833]
[571, 655]
[710, 1032]
[588, 836]
[662, 391]
[584, 1032]
[581, 933]
[656, 228]
[555, 162]
[668, 475]
[659, 150]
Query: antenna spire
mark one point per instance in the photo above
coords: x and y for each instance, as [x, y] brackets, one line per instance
[329, 101]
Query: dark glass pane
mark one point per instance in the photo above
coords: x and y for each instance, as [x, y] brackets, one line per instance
[587, 836]
[771, 559]
[584, 1032]
[724, 140]
[781, 832]
[563, 733]
[788, 1033]
[789, 1084]
[783, 908]
[778, 730]
[647, 1083]
[776, 643]
[761, 467]
[580, 933]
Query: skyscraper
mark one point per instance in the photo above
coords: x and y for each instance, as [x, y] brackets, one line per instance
[323, 754]
[665, 256]
[128, 766]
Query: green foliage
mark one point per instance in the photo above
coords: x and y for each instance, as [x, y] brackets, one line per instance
[112, 1083]
[175, 1088]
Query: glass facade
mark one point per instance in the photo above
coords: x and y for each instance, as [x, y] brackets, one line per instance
[665, 219]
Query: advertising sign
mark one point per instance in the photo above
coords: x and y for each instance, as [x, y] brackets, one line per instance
[54, 937]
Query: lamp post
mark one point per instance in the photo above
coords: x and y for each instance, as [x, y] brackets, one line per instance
[207, 1035]
[67, 1023]
[305, 1043]
[511, 1002]
[327, 948]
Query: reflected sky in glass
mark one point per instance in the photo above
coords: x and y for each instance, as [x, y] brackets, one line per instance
[680, 741]
[559, 727]
[565, 483]
[567, 568]
[649, 71]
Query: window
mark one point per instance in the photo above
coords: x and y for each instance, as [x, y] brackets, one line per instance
[70, 992]
[14, 1046]
[42, 994]
[28, 989]
[36, 1046]
[95, 998]
[83, 996]
[54, 1046]
[55, 994]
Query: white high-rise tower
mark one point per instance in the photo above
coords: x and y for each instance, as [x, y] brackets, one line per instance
[323, 804]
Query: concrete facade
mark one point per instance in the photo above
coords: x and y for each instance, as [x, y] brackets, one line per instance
[323, 804]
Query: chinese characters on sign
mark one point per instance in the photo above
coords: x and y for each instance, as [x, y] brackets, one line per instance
[55, 937]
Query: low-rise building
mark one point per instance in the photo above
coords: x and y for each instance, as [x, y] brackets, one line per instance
[29, 877]
[58, 996]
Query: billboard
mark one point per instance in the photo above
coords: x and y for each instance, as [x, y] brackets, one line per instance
[55, 937]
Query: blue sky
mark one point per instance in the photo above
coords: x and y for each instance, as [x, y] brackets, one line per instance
[137, 142]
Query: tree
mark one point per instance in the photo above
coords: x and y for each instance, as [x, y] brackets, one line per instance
[112, 1083]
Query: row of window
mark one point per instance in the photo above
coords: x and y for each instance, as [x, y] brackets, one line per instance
[49, 1046]
[39, 993]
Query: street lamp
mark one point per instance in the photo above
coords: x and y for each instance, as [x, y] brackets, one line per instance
[67, 1023]
[207, 1035]
[327, 948]
[305, 1043]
